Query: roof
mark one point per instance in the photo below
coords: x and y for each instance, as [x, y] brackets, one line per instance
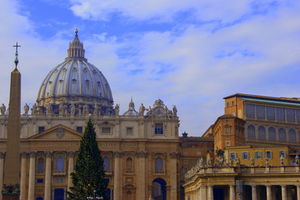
[267, 99]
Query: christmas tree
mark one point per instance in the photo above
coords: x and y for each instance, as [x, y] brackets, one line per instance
[88, 176]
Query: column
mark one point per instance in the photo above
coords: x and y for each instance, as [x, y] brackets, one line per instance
[254, 193]
[283, 192]
[231, 192]
[70, 168]
[210, 192]
[269, 192]
[117, 176]
[1, 172]
[141, 179]
[31, 176]
[298, 192]
[203, 192]
[48, 176]
[23, 176]
[173, 177]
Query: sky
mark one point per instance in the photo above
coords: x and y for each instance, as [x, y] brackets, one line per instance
[188, 53]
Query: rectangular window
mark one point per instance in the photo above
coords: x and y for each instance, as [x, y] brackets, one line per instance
[270, 113]
[280, 114]
[129, 131]
[227, 130]
[39, 180]
[268, 155]
[159, 128]
[60, 164]
[232, 155]
[290, 115]
[258, 155]
[250, 111]
[260, 112]
[106, 130]
[41, 129]
[282, 154]
[245, 155]
[79, 129]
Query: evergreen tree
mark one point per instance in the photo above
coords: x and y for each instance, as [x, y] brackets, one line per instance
[88, 175]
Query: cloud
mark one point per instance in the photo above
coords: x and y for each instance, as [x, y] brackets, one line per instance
[201, 67]
[245, 46]
[168, 10]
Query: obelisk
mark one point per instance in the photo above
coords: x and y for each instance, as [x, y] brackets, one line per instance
[11, 181]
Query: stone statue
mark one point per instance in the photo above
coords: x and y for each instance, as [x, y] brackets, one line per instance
[297, 160]
[200, 163]
[48, 109]
[65, 109]
[73, 109]
[267, 164]
[208, 160]
[281, 160]
[142, 110]
[34, 109]
[60, 109]
[96, 109]
[117, 109]
[175, 111]
[80, 110]
[26, 109]
[3, 109]
[85, 109]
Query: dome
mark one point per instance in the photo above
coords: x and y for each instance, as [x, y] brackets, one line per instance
[75, 81]
[131, 112]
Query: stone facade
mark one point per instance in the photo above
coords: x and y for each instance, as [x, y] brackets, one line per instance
[144, 157]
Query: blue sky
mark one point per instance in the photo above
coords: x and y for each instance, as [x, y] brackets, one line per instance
[189, 53]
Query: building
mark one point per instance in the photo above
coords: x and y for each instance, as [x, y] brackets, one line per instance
[142, 150]
[256, 152]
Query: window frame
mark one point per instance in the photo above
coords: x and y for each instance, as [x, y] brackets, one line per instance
[159, 128]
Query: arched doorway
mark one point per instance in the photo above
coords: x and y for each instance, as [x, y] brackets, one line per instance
[159, 189]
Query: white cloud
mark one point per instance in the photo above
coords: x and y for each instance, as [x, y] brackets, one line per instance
[193, 69]
[160, 9]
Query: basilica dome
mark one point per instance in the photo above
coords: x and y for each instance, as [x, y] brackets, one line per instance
[75, 81]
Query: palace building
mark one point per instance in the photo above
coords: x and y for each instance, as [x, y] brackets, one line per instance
[144, 157]
[256, 152]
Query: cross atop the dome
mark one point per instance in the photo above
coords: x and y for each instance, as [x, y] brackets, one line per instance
[17, 53]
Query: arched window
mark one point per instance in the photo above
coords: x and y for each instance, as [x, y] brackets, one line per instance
[159, 165]
[40, 165]
[129, 164]
[251, 131]
[261, 133]
[282, 135]
[60, 163]
[272, 133]
[106, 164]
[292, 135]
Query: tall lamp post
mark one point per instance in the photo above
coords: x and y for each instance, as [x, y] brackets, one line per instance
[94, 197]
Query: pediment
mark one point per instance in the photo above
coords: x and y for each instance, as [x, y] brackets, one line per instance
[57, 132]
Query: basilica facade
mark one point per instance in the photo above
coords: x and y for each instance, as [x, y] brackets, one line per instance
[141, 150]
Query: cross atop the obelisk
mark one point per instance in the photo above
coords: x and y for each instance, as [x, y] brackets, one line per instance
[17, 53]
